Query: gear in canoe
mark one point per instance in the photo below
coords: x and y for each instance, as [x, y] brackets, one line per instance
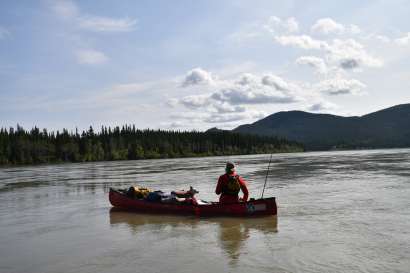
[184, 202]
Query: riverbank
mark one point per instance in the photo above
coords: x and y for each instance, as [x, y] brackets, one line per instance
[21, 147]
[279, 151]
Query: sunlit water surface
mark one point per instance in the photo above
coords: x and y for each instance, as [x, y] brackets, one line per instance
[338, 212]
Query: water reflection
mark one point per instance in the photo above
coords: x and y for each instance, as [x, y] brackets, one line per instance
[232, 233]
[232, 238]
[137, 221]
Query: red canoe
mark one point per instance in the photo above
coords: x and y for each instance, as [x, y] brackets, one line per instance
[259, 207]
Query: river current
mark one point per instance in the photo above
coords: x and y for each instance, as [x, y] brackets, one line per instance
[342, 211]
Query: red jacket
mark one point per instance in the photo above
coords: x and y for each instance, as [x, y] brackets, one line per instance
[224, 198]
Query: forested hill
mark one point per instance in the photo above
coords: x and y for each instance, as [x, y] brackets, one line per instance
[18, 146]
[387, 128]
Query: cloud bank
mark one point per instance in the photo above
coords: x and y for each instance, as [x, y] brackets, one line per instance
[237, 99]
[339, 86]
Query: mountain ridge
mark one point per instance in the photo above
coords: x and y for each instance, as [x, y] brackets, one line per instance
[385, 128]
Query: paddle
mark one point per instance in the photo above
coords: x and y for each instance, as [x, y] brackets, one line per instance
[266, 178]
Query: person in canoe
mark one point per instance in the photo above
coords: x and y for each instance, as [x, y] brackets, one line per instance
[229, 185]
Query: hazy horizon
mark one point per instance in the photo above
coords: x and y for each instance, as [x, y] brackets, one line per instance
[98, 128]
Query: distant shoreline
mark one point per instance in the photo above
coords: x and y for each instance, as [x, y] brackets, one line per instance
[143, 159]
[21, 147]
[202, 156]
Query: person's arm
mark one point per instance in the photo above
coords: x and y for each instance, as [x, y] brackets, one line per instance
[218, 189]
[244, 189]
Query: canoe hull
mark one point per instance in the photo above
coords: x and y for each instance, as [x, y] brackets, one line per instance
[260, 207]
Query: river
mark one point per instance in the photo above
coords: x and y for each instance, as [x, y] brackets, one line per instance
[341, 211]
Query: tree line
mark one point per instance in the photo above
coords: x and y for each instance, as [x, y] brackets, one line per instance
[20, 146]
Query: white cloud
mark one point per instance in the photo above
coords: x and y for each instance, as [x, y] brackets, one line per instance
[91, 56]
[315, 62]
[106, 24]
[3, 32]
[233, 96]
[197, 76]
[277, 82]
[246, 89]
[348, 54]
[403, 41]
[215, 118]
[69, 10]
[301, 41]
[247, 79]
[253, 89]
[223, 107]
[240, 95]
[195, 101]
[172, 102]
[328, 26]
[351, 54]
[276, 25]
[336, 54]
[340, 86]
[292, 25]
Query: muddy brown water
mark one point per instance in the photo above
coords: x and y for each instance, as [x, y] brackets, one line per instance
[343, 211]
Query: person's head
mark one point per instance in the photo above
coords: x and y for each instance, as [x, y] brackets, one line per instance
[230, 168]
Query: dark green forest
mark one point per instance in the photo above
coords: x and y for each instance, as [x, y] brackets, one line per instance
[20, 146]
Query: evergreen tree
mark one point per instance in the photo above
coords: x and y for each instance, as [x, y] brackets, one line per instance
[18, 146]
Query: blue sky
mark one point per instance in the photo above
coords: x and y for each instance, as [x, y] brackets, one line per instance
[198, 64]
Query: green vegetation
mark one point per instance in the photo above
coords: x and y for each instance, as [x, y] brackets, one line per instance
[18, 146]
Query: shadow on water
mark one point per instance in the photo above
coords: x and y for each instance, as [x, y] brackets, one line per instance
[232, 233]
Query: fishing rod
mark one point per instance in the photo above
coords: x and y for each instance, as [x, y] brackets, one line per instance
[266, 177]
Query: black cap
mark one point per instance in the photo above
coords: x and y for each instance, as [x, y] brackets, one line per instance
[229, 166]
